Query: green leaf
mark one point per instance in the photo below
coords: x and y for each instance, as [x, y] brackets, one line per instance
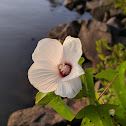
[121, 46]
[99, 114]
[119, 86]
[119, 90]
[97, 96]
[107, 74]
[58, 105]
[101, 57]
[39, 96]
[103, 111]
[81, 60]
[86, 122]
[120, 113]
[90, 83]
[44, 98]
[105, 45]
[82, 92]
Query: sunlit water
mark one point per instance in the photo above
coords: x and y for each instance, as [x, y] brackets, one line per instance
[22, 24]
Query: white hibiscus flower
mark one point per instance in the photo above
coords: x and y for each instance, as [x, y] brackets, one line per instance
[56, 67]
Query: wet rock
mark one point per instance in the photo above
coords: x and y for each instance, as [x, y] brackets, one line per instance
[44, 116]
[90, 32]
[63, 30]
[79, 4]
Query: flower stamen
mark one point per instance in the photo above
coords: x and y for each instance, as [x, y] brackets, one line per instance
[64, 69]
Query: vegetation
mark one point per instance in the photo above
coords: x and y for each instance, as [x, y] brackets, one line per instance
[112, 61]
[121, 4]
[107, 106]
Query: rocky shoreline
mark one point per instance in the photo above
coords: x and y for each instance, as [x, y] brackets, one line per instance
[108, 23]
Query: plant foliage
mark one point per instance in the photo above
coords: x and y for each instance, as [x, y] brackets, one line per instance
[111, 70]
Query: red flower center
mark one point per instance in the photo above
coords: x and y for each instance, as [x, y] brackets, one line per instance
[65, 69]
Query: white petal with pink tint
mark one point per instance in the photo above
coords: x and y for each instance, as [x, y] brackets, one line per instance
[69, 88]
[72, 50]
[43, 78]
[48, 50]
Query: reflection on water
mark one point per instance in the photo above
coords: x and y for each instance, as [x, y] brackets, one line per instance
[22, 24]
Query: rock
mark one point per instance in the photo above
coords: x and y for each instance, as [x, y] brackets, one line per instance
[91, 5]
[99, 13]
[90, 32]
[79, 4]
[25, 117]
[115, 25]
[87, 64]
[115, 12]
[122, 32]
[63, 30]
[114, 22]
[106, 16]
[97, 85]
[122, 40]
[98, 9]
[35, 116]
[44, 116]
[69, 4]
[102, 10]
[123, 22]
[80, 9]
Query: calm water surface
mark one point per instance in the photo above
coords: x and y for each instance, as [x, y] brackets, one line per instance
[22, 24]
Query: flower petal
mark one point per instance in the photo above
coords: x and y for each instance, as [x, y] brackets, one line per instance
[69, 88]
[72, 50]
[49, 50]
[76, 71]
[43, 78]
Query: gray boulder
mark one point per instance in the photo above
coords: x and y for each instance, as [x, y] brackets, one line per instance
[90, 32]
[43, 115]
[63, 30]
[26, 116]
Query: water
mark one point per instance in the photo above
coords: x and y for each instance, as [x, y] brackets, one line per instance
[22, 24]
